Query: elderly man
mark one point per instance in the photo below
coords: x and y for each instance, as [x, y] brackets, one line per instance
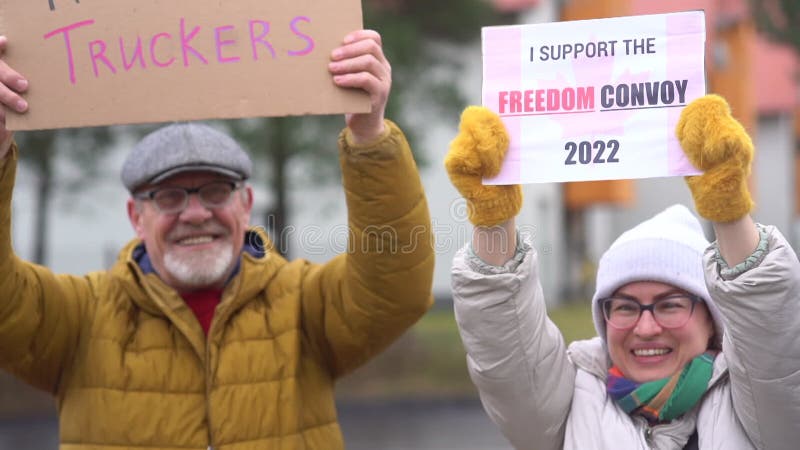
[201, 336]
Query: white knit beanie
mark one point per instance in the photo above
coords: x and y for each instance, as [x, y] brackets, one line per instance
[667, 248]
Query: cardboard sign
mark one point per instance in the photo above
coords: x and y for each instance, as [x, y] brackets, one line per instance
[100, 62]
[594, 99]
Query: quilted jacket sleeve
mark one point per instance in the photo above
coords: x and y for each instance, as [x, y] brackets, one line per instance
[363, 299]
[38, 310]
[515, 355]
[761, 309]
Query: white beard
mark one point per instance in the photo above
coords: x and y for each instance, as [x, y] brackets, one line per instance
[201, 269]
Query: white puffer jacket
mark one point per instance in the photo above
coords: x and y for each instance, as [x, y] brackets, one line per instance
[544, 396]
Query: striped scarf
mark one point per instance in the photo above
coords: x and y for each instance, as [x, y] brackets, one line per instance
[665, 399]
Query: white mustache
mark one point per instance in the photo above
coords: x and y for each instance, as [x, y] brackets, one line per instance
[184, 231]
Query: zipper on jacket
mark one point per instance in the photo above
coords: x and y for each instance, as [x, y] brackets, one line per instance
[209, 340]
[208, 389]
[648, 435]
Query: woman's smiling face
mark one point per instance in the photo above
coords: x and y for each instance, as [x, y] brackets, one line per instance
[648, 351]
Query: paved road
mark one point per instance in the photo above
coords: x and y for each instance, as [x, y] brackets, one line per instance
[366, 426]
[420, 426]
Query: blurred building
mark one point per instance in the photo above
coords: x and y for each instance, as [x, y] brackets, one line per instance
[571, 223]
[760, 80]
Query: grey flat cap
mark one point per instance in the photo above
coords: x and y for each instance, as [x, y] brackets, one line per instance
[184, 147]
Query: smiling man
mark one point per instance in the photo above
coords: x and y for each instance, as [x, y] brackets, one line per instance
[189, 203]
[201, 336]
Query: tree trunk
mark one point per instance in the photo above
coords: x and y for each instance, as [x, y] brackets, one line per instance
[277, 143]
[577, 286]
[41, 201]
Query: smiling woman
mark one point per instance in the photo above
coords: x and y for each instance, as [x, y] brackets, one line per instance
[650, 265]
[664, 371]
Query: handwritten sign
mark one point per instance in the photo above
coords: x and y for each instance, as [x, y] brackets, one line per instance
[594, 99]
[99, 62]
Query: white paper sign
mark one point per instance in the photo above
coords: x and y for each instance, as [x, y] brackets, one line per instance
[594, 99]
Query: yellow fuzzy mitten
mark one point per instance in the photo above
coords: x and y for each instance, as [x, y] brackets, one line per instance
[717, 144]
[478, 152]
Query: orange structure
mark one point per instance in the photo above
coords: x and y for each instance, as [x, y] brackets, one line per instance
[757, 77]
[580, 195]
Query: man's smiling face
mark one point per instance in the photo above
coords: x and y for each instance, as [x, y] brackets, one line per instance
[197, 247]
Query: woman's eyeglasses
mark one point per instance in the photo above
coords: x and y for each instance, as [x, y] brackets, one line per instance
[672, 311]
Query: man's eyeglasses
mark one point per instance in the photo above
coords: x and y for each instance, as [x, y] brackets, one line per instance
[172, 200]
[672, 311]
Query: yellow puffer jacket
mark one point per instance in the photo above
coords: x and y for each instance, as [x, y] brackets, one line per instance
[131, 367]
